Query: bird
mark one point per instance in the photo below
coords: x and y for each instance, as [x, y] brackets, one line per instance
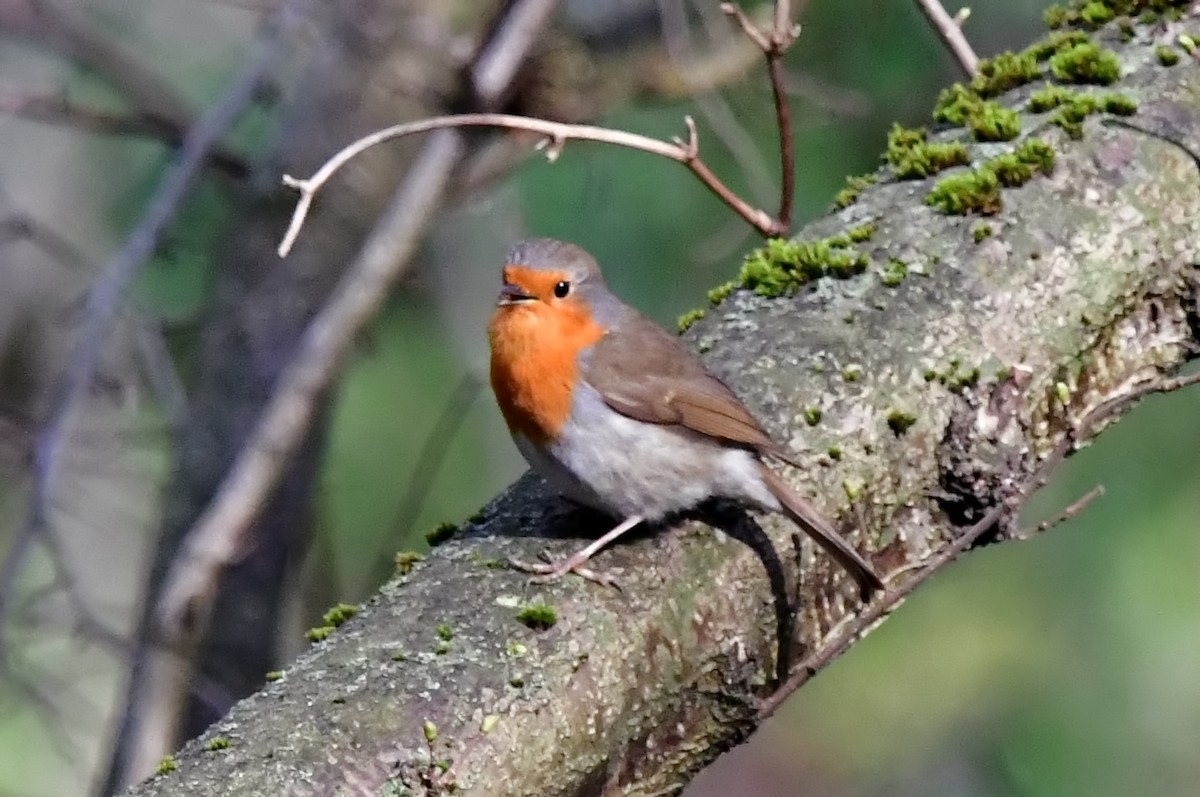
[617, 414]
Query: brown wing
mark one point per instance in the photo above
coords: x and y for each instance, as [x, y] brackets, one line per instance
[644, 372]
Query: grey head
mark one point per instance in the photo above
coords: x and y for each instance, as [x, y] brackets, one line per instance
[570, 264]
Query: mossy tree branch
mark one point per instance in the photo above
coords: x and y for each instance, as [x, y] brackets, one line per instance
[941, 383]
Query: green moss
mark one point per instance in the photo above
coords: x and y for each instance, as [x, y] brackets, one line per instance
[1096, 13]
[900, 421]
[444, 631]
[862, 233]
[1056, 42]
[1070, 115]
[1085, 63]
[1056, 16]
[854, 488]
[852, 372]
[218, 743]
[430, 731]
[516, 682]
[538, 616]
[960, 379]
[975, 191]
[319, 634]
[855, 185]
[166, 765]
[406, 561]
[515, 649]
[338, 614]
[1048, 98]
[979, 232]
[893, 273]
[978, 191]
[1119, 104]
[1019, 166]
[721, 292]
[835, 453]
[1167, 56]
[690, 317]
[273, 676]
[812, 415]
[440, 533]
[912, 157]
[441, 648]
[1004, 72]
[399, 655]
[994, 122]
[781, 266]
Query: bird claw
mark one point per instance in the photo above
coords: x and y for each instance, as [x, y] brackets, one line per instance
[550, 571]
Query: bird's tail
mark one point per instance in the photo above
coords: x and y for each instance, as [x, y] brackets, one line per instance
[808, 518]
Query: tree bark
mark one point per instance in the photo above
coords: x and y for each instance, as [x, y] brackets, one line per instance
[941, 398]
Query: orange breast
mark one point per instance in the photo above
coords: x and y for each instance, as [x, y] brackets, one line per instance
[535, 352]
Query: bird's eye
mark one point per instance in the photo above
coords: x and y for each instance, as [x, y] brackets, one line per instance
[562, 289]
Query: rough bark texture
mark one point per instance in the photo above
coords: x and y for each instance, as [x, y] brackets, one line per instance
[1086, 289]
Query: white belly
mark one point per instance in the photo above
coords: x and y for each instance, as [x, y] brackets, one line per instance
[626, 467]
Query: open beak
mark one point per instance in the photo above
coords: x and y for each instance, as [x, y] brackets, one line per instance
[513, 294]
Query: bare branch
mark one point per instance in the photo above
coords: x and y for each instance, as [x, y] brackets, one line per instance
[950, 29]
[774, 45]
[556, 133]
[219, 536]
[54, 107]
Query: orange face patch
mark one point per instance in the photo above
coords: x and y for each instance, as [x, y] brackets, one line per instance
[535, 353]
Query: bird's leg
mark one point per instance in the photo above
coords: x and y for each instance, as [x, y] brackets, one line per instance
[552, 571]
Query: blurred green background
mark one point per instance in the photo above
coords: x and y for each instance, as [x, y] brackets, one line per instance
[1065, 665]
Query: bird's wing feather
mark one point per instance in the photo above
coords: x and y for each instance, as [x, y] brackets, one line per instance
[647, 374]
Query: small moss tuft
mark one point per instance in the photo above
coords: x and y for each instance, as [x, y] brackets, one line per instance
[1085, 63]
[406, 561]
[430, 731]
[835, 453]
[445, 632]
[812, 415]
[538, 616]
[893, 273]
[440, 533]
[1004, 72]
[218, 743]
[273, 676]
[1167, 56]
[900, 421]
[993, 122]
[690, 317]
[976, 191]
[1096, 13]
[855, 185]
[1048, 98]
[862, 233]
[721, 292]
[912, 157]
[980, 232]
[338, 614]
[166, 765]
[319, 634]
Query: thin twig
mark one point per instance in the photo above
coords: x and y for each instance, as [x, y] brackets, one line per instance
[950, 29]
[876, 612]
[774, 45]
[1072, 510]
[556, 135]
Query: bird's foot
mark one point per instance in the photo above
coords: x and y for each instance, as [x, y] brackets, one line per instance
[550, 570]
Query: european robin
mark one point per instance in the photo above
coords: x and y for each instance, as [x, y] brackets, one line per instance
[617, 414]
